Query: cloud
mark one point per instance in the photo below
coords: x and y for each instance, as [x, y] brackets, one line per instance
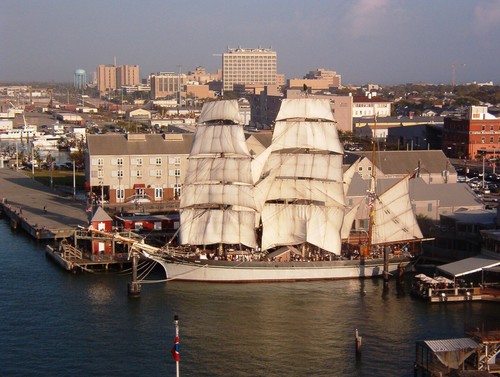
[486, 17]
[365, 16]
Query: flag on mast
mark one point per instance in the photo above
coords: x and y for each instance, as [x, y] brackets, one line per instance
[175, 349]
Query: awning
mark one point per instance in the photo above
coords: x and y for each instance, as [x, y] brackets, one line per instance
[452, 352]
[469, 265]
[139, 185]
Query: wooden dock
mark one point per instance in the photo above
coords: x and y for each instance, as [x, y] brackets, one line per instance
[457, 294]
[73, 259]
[41, 212]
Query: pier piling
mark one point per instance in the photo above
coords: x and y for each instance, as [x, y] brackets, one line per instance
[134, 287]
[358, 340]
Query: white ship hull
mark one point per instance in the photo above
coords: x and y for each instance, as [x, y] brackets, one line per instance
[12, 135]
[252, 272]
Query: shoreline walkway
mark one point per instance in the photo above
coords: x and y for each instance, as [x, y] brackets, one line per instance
[37, 209]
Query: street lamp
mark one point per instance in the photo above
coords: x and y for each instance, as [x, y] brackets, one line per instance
[51, 174]
[74, 180]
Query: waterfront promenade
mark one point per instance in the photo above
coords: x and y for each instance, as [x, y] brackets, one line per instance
[37, 209]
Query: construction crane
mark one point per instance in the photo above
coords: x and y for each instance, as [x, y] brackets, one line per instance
[453, 72]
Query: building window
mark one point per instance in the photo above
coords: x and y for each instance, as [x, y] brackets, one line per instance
[119, 161]
[100, 173]
[120, 194]
[158, 193]
[483, 128]
[158, 173]
[120, 174]
[100, 161]
[138, 173]
[139, 161]
[491, 139]
[429, 207]
[158, 160]
[177, 160]
[177, 172]
[177, 190]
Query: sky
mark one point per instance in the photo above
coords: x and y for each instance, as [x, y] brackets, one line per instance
[386, 42]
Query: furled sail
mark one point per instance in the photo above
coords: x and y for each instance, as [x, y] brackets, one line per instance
[306, 108]
[220, 111]
[305, 201]
[217, 202]
[394, 220]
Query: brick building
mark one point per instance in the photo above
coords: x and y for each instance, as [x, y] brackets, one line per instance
[475, 133]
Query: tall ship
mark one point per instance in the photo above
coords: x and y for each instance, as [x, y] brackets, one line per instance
[281, 216]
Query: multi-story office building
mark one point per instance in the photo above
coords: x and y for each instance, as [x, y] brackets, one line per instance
[248, 66]
[111, 77]
[332, 77]
[127, 75]
[106, 78]
[200, 76]
[320, 80]
[164, 84]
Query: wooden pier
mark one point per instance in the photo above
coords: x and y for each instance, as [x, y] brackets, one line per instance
[442, 290]
[74, 260]
[38, 210]
[75, 253]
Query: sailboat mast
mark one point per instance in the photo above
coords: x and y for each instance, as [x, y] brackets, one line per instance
[372, 192]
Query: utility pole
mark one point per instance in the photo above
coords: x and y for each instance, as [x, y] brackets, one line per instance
[179, 84]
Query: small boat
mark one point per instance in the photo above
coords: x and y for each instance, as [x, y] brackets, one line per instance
[281, 216]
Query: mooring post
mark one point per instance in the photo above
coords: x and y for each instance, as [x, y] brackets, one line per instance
[358, 343]
[134, 287]
[387, 250]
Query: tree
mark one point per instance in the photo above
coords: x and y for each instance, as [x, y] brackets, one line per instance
[78, 157]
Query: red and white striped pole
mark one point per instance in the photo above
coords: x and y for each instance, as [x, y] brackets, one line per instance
[175, 349]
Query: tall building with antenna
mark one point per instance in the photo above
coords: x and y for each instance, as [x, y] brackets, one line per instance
[112, 77]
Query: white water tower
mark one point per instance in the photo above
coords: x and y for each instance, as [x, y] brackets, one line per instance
[80, 79]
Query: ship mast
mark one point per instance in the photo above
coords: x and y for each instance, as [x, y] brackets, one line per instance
[371, 193]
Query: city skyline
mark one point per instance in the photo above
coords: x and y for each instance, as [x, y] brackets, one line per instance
[380, 41]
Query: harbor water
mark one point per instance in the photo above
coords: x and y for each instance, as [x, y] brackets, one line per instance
[53, 323]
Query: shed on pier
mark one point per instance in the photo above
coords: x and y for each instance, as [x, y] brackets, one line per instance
[443, 356]
[103, 222]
